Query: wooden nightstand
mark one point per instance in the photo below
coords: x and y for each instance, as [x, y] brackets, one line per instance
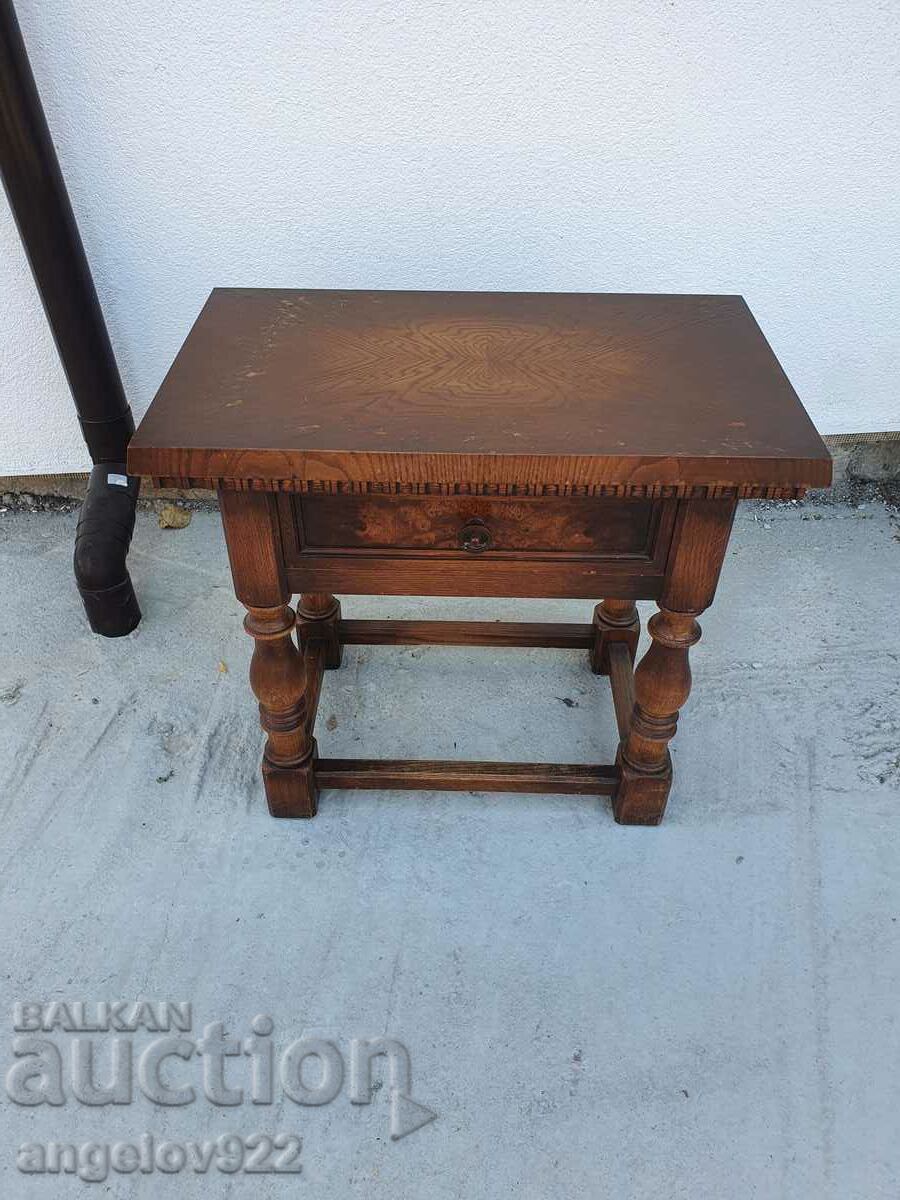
[477, 444]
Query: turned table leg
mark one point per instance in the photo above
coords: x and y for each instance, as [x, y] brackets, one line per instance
[662, 679]
[662, 683]
[614, 621]
[277, 675]
[318, 617]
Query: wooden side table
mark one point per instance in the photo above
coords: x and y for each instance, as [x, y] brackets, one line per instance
[477, 444]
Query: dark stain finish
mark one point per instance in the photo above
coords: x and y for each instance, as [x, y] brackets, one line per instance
[400, 443]
[415, 386]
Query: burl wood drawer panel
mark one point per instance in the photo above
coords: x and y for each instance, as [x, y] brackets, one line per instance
[512, 546]
[567, 525]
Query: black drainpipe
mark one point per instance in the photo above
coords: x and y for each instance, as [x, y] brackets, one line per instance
[43, 214]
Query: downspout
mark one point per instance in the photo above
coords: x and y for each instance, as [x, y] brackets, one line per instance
[43, 214]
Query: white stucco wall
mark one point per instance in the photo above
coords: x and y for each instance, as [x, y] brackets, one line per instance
[675, 145]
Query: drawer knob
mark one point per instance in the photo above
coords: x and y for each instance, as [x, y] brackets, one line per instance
[475, 537]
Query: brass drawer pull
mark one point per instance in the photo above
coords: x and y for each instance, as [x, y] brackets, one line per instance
[475, 537]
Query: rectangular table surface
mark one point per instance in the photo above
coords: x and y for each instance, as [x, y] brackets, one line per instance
[400, 387]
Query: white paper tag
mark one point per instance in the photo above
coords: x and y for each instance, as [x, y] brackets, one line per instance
[117, 480]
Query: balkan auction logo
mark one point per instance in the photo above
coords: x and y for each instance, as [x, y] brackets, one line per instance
[59, 1045]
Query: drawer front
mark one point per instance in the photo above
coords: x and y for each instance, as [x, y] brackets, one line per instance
[487, 527]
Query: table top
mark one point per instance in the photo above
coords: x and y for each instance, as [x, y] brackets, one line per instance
[356, 390]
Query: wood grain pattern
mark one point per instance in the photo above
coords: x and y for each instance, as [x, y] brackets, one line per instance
[616, 622]
[699, 542]
[401, 570]
[286, 691]
[621, 679]
[441, 388]
[444, 776]
[662, 683]
[314, 664]
[525, 576]
[251, 526]
[662, 680]
[600, 526]
[560, 636]
[477, 444]
[318, 617]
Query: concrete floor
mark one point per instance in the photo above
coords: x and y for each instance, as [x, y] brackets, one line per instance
[708, 1009]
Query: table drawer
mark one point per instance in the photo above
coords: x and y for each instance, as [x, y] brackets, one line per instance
[470, 526]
